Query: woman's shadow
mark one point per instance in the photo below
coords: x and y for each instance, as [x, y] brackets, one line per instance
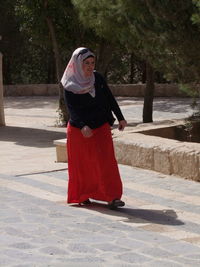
[131, 215]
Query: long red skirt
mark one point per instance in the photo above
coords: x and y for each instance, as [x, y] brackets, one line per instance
[92, 167]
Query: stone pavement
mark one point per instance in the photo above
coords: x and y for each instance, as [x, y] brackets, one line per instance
[159, 226]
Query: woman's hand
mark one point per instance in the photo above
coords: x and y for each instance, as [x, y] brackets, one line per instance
[86, 131]
[122, 125]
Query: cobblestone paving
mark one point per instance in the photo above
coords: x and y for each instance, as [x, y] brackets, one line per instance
[159, 226]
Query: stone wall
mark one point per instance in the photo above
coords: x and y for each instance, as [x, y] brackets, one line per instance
[31, 90]
[162, 155]
[155, 153]
[137, 90]
[129, 90]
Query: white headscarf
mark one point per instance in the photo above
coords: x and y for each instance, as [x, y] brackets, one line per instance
[73, 78]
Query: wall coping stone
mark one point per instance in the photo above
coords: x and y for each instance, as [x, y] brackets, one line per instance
[163, 155]
[130, 90]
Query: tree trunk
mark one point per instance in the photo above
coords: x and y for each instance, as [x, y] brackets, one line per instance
[7, 79]
[51, 70]
[131, 67]
[63, 113]
[144, 71]
[148, 95]
[2, 117]
[104, 56]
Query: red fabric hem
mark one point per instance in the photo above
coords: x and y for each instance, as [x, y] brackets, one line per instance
[92, 167]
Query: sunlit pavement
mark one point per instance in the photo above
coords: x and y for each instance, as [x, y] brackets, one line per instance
[159, 226]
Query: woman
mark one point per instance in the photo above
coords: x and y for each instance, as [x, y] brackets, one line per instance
[92, 167]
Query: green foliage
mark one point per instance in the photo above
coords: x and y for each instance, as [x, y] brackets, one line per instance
[92, 13]
[27, 43]
[12, 39]
[180, 39]
[196, 15]
[118, 22]
[164, 32]
[190, 89]
[161, 32]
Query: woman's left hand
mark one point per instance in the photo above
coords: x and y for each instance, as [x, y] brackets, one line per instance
[122, 125]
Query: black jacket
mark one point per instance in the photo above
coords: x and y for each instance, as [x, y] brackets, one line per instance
[93, 111]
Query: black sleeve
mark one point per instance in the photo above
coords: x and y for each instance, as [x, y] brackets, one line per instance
[75, 109]
[113, 103]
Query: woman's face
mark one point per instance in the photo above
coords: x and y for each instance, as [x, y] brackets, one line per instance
[88, 66]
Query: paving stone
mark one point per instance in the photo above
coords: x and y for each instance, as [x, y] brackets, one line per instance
[124, 265]
[29, 264]
[6, 261]
[76, 264]
[86, 259]
[132, 244]
[157, 252]
[97, 219]
[45, 240]
[35, 218]
[7, 212]
[81, 248]
[121, 226]
[35, 230]
[91, 227]
[95, 238]
[16, 232]
[22, 245]
[114, 233]
[53, 251]
[48, 187]
[193, 256]
[17, 254]
[39, 232]
[134, 258]
[181, 248]
[148, 237]
[72, 233]
[164, 263]
[12, 220]
[33, 210]
[111, 247]
[187, 262]
[7, 239]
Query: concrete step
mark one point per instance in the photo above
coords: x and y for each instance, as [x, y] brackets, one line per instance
[61, 150]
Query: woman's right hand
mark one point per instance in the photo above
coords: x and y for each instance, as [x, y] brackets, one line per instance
[86, 131]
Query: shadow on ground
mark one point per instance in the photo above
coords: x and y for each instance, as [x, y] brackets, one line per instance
[172, 105]
[164, 217]
[31, 137]
[31, 102]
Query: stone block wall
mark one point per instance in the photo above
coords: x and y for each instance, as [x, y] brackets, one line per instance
[150, 152]
[129, 90]
[31, 90]
[137, 90]
[162, 155]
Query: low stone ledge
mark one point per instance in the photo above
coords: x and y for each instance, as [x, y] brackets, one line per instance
[159, 154]
[137, 90]
[186, 162]
[61, 150]
[31, 90]
[160, 157]
[129, 90]
[151, 152]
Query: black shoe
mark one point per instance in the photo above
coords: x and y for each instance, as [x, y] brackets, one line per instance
[86, 202]
[115, 204]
